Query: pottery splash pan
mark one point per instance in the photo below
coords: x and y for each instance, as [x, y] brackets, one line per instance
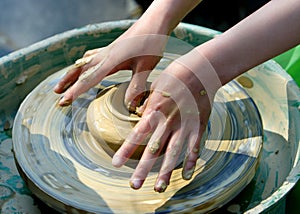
[274, 93]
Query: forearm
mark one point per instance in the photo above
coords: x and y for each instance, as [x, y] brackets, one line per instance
[268, 32]
[163, 16]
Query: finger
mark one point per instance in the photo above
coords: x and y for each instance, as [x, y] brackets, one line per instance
[70, 77]
[92, 52]
[136, 90]
[73, 74]
[85, 81]
[170, 161]
[152, 150]
[160, 131]
[192, 154]
[134, 139]
[149, 157]
[90, 59]
[140, 110]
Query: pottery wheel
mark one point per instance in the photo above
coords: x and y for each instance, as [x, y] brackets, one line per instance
[66, 167]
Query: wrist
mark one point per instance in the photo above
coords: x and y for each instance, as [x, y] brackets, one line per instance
[195, 70]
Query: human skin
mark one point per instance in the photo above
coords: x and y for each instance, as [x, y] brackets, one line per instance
[177, 118]
[160, 19]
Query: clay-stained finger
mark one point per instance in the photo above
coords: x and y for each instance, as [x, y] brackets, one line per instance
[80, 65]
[92, 52]
[136, 90]
[140, 110]
[154, 147]
[85, 81]
[161, 130]
[147, 161]
[170, 161]
[83, 61]
[73, 74]
[192, 153]
[135, 138]
[69, 79]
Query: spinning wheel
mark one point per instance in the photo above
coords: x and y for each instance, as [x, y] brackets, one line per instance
[65, 166]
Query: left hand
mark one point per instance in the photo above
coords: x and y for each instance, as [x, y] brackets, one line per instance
[175, 114]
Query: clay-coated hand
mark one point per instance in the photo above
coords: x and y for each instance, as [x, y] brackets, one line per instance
[175, 115]
[136, 53]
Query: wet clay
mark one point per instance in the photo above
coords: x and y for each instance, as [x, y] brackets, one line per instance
[110, 122]
[59, 154]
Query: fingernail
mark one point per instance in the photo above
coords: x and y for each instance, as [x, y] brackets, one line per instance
[118, 161]
[64, 102]
[160, 186]
[188, 173]
[135, 183]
